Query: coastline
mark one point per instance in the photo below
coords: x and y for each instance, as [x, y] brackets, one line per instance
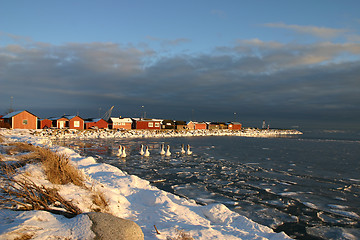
[134, 198]
[101, 133]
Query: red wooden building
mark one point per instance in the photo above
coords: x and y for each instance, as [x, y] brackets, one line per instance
[121, 123]
[60, 122]
[97, 123]
[234, 126]
[142, 123]
[44, 123]
[76, 122]
[196, 125]
[3, 124]
[217, 125]
[21, 120]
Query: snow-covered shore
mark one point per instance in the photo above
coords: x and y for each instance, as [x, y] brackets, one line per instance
[101, 133]
[129, 197]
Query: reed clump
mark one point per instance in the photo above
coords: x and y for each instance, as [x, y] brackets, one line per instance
[24, 194]
[58, 168]
[100, 203]
[19, 147]
[21, 192]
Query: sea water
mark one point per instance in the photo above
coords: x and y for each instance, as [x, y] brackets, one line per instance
[307, 186]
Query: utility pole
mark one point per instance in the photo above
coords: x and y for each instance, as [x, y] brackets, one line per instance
[142, 111]
[264, 124]
[11, 109]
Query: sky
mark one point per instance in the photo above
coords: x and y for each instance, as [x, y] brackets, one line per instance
[286, 62]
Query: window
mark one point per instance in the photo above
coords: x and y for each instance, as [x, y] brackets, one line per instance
[157, 124]
[25, 122]
[150, 124]
[76, 123]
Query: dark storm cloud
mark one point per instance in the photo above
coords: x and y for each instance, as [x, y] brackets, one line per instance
[253, 77]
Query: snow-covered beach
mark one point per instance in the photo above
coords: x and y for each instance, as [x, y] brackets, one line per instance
[103, 133]
[129, 196]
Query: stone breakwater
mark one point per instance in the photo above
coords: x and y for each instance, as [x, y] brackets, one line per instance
[101, 133]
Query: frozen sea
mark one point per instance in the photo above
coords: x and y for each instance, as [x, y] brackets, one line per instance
[306, 185]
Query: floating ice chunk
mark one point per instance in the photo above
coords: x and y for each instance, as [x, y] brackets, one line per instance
[288, 193]
[310, 205]
[337, 206]
[205, 201]
[345, 213]
[331, 233]
[335, 219]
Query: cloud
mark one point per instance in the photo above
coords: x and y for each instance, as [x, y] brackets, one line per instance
[274, 56]
[321, 32]
[253, 77]
[353, 38]
[169, 42]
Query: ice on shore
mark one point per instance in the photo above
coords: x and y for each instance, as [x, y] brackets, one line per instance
[103, 133]
[129, 197]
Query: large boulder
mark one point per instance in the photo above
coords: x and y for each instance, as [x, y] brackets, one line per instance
[107, 227]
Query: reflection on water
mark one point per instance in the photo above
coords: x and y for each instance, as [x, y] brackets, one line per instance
[297, 185]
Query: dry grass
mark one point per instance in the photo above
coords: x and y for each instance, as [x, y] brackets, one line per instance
[181, 235]
[58, 168]
[99, 200]
[25, 236]
[26, 195]
[19, 147]
[28, 157]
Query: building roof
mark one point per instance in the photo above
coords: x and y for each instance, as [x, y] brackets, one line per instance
[71, 116]
[148, 119]
[121, 120]
[12, 114]
[56, 118]
[93, 120]
[194, 122]
[235, 123]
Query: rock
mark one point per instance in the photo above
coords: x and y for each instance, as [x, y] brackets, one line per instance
[107, 227]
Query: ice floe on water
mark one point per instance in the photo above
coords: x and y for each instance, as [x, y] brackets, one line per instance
[334, 233]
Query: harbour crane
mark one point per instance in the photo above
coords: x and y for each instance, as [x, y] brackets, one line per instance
[107, 115]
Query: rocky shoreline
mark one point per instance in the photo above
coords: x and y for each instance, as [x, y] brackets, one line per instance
[101, 133]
